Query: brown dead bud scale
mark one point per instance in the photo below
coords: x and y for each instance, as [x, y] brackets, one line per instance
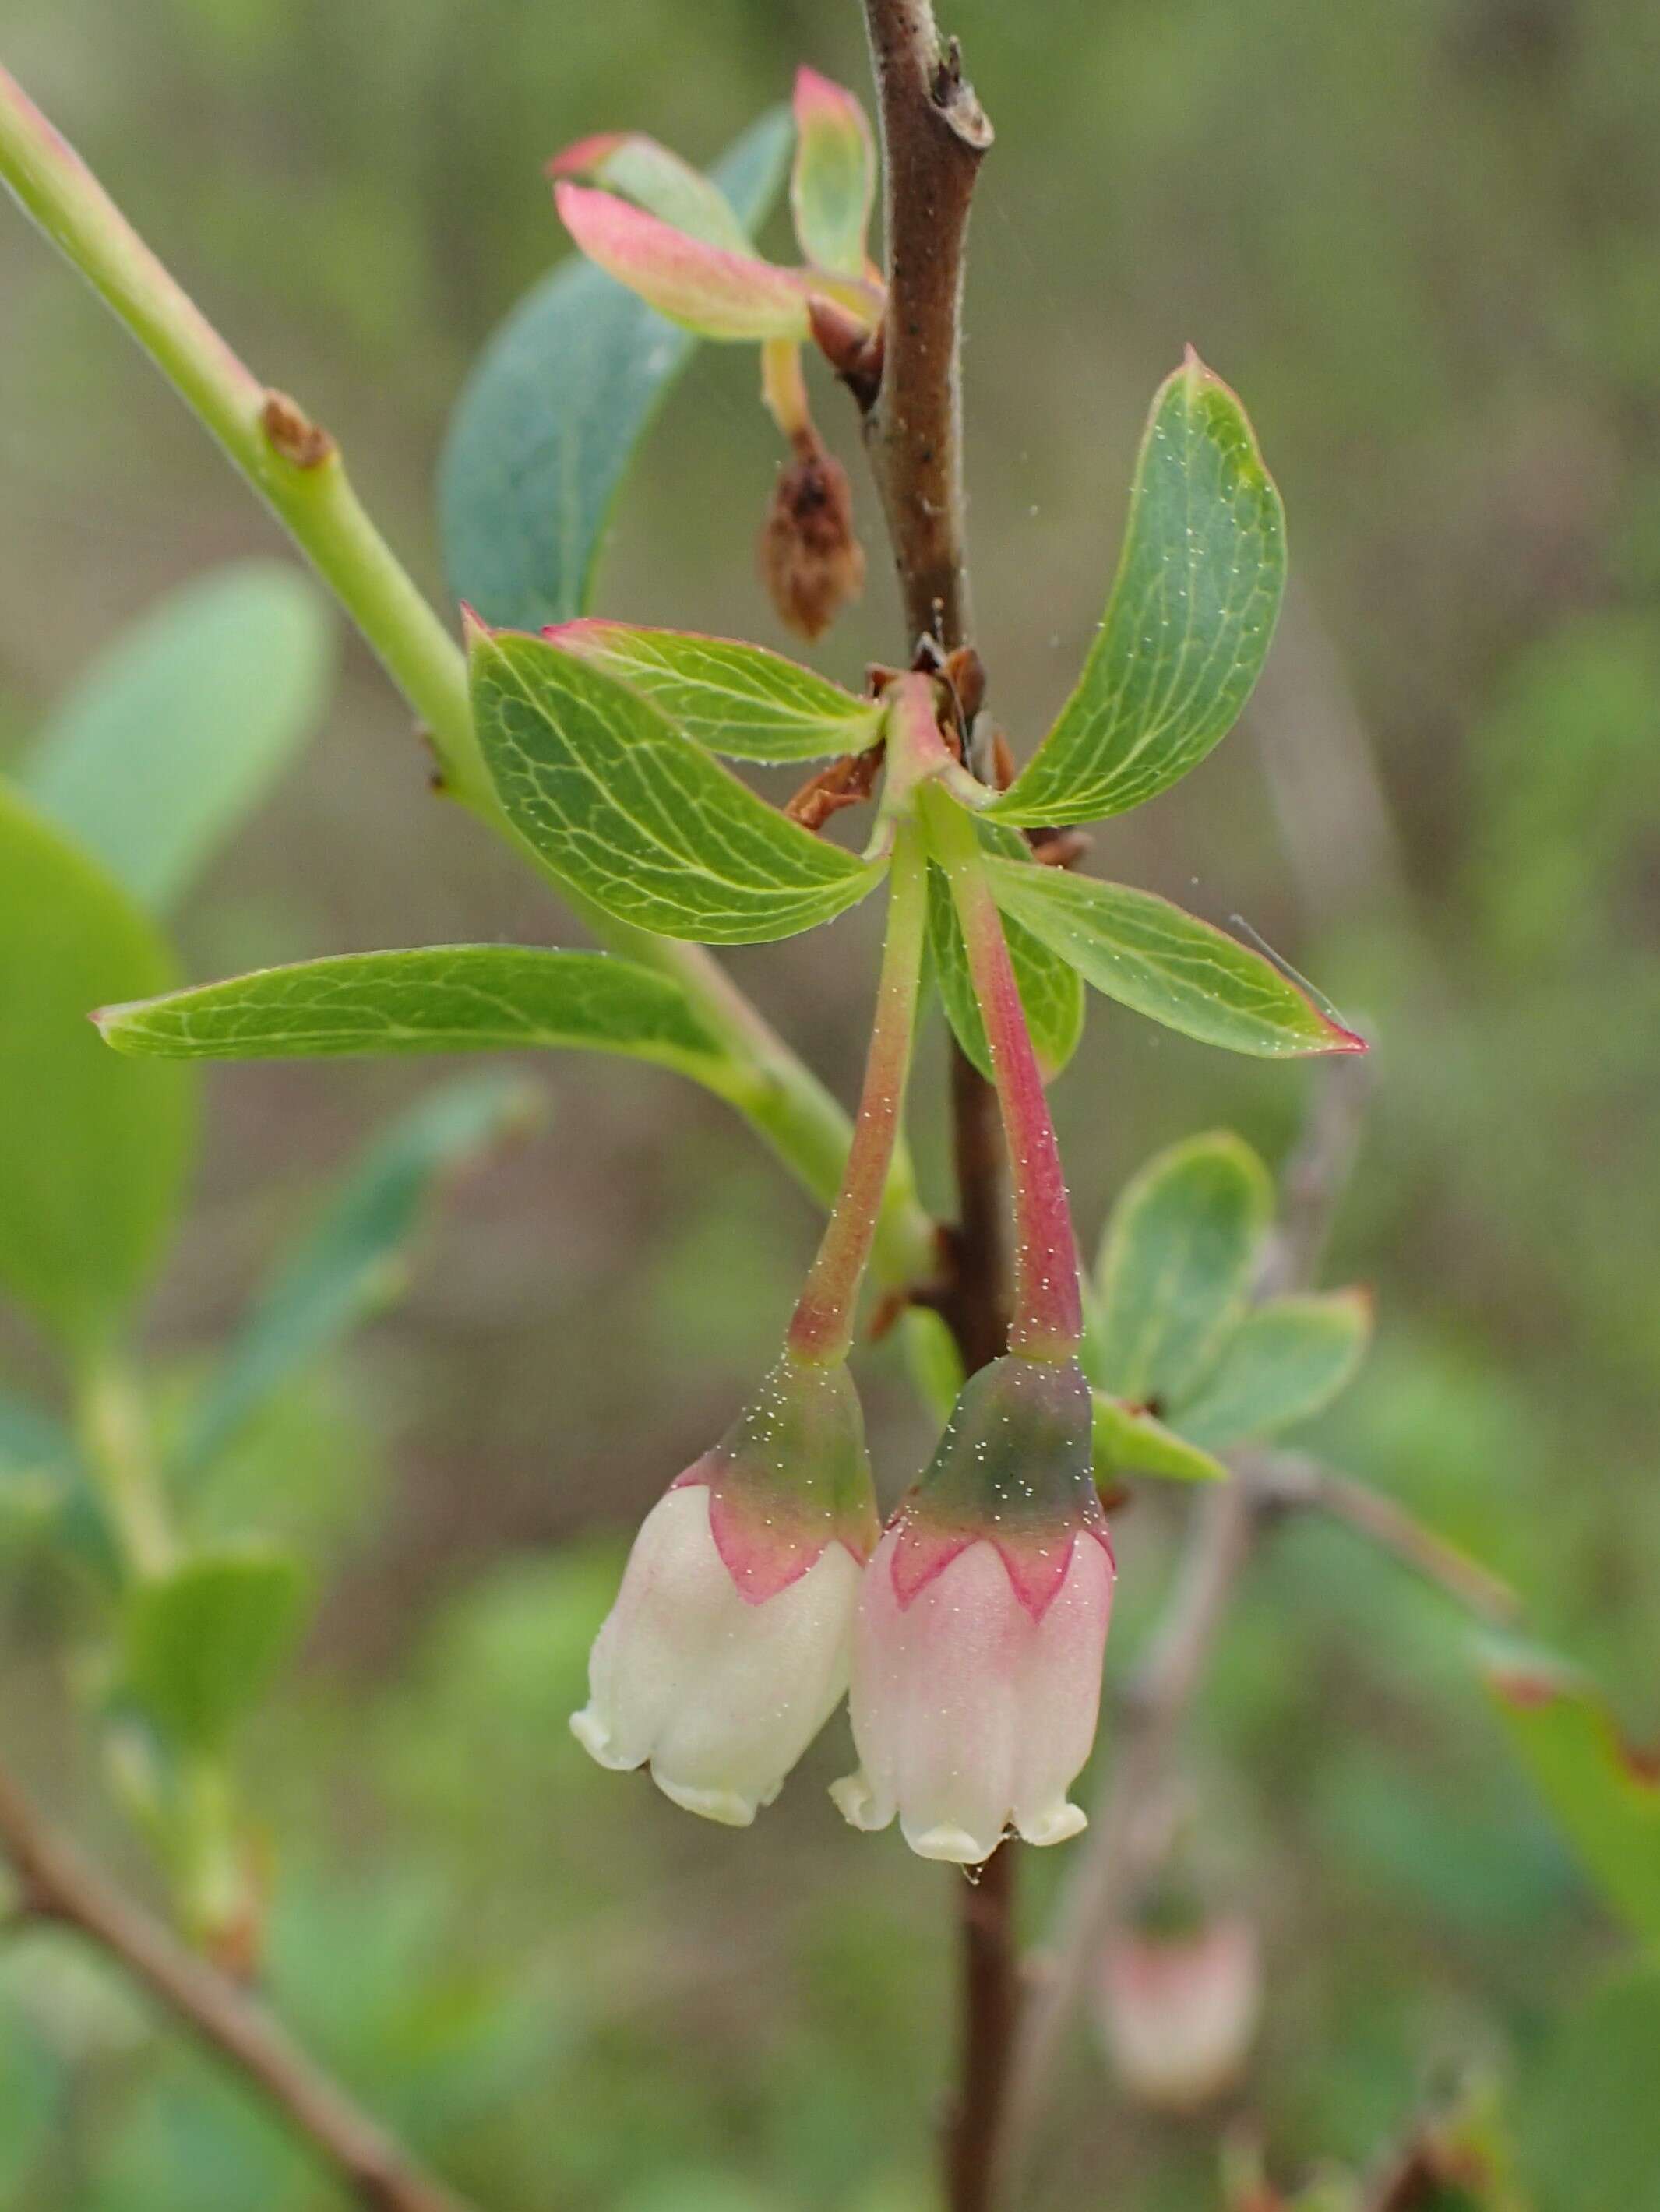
[810, 561]
[846, 782]
[294, 436]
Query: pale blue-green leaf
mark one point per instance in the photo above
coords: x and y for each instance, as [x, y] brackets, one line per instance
[438, 998]
[1189, 621]
[92, 1152]
[1176, 1267]
[736, 699]
[158, 754]
[1130, 1440]
[636, 817]
[352, 1259]
[1286, 1362]
[1161, 962]
[549, 419]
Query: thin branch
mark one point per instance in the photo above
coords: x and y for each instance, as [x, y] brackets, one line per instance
[933, 135]
[1280, 1481]
[57, 1884]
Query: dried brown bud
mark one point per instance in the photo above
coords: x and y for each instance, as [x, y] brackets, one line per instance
[293, 434]
[810, 561]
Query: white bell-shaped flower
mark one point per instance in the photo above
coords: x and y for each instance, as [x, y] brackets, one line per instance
[727, 1648]
[983, 1620]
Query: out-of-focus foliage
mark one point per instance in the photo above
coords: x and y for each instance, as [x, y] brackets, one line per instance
[1422, 240]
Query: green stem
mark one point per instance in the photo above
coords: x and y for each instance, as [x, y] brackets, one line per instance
[296, 469]
[114, 1433]
[821, 1332]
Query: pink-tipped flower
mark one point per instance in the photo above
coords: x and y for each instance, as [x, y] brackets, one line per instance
[1178, 2008]
[983, 1619]
[727, 1650]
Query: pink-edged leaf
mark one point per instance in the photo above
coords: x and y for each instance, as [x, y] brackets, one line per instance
[833, 184]
[1603, 1791]
[1148, 954]
[639, 169]
[706, 288]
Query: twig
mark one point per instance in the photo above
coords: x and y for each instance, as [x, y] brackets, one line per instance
[1218, 1547]
[57, 1884]
[934, 134]
[1282, 1480]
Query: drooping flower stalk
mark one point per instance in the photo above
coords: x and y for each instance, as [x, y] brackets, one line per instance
[821, 1330]
[728, 1647]
[1047, 1321]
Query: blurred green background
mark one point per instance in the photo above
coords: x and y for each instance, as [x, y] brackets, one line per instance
[1423, 241]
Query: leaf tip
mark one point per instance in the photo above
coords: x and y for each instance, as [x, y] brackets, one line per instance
[584, 155]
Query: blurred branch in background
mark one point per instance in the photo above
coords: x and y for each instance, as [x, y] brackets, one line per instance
[56, 1884]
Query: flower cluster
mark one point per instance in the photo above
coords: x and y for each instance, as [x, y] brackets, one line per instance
[970, 1635]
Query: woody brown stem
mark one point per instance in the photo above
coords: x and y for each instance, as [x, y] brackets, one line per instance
[55, 1882]
[934, 134]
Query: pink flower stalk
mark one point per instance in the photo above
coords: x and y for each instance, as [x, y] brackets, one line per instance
[727, 1650]
[1177, 2009]
[982, 1624]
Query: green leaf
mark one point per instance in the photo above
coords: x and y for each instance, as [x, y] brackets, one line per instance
[736, 699]
[833, 182]
[1588, 2119]
[439, 998]
[92, 1152]
[1176, 1267]
[658, 181]
[547, 422]
[1604, 1796]
[1286, 1362]
[638, 818]
[1189, 621]
[1167, 964]
[1130, 1440]
[352, 1259]
[1050, 989]
[180, 728]
[203, 1643]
